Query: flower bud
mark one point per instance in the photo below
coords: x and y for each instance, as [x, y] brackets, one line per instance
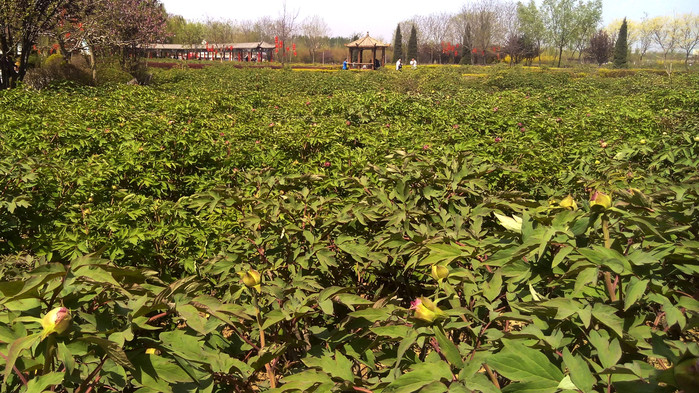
[251, 279]
[601, 199]
[55, 321]
[568, 203]
[439, 273]
[426, 310]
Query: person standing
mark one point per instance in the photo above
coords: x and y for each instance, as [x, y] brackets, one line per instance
[344, 64]
[399, 65]
[413, 63]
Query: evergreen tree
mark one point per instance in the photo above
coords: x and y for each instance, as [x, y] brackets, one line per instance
[621, 47]
[398, 45]
[412, 44]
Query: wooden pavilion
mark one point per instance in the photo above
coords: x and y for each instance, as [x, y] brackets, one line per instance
[367, 43]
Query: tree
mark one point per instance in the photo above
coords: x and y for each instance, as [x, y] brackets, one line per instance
[566, 21]
[664, 32]
[397, 45]
[600, 47]
[587, 17]
[482, 18]
[688, 34]
[285, 27]
[621, 47]
[436, 28]
[181, 31]
[466, 45]
[531, 23]
[412, 44]
[21, 23]
[514, 48]
[218, 33]
[645, 37]
[315, 31]
[111, 26]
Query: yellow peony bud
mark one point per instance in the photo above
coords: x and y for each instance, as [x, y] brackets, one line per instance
[426, 310]
[601, 199]
[251, 279]
[439, 273]
[55, 321]
[568, 203]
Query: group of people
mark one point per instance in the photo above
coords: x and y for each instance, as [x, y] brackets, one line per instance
[399, 64]
[377, 64]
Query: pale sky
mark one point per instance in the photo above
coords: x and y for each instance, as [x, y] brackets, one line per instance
[380, 17]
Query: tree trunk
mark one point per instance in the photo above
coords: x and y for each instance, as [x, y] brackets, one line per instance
[93, 63]
[560, 56]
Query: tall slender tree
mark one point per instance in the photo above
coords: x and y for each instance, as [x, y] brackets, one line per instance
[621, 47]
[412, 44]
[397, 45]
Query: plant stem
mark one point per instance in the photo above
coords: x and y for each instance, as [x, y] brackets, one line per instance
[608, 245]
[491, 375]
[92, 375]
[14, 367]
[258, 317]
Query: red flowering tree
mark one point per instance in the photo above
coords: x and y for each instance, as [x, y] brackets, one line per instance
[110, 27]
[21, 23]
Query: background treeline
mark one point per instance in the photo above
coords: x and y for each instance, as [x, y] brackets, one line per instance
[557, 32]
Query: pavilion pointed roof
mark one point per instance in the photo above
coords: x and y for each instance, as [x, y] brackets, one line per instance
[367, 42]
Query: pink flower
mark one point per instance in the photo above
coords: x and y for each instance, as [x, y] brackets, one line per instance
[587, 114]
[558, 120]
[415, 303]
[388, 125]
[257, 141]
[271, 124]
[425, 147]
[348, 122]
[308, 102]
[276, 107]
[456, 126]
[326, 164]
[519, 124]
[498, 139]
[522, 129]
[222, 134]
[253, 109]
[495, 109]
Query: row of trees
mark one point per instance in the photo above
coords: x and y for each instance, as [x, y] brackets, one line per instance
[665, 34]
[313, 32]
[96, 27]
[487, 29]
[480, 32]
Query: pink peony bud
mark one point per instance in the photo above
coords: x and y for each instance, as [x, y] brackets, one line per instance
[426, 310]
[55, 321]
[601, 199]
